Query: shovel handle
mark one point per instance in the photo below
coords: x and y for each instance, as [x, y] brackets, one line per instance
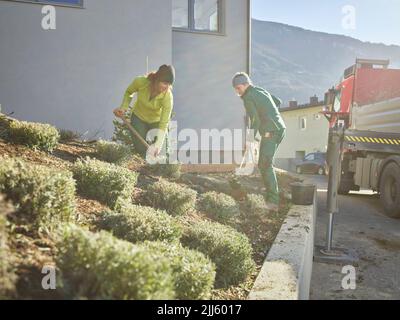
[133, 130]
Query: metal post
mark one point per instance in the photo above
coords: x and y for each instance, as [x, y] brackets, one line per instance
[334, 156]
[327, 253]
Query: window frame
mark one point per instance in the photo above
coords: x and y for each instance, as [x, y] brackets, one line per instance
[59, 3]
[303, 119]
[191, 20]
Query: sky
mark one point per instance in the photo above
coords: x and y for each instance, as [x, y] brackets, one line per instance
[367, 20]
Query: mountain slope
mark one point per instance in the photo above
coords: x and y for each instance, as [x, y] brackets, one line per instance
[292, 62]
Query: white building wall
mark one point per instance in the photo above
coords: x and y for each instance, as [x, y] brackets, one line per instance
[74, 76]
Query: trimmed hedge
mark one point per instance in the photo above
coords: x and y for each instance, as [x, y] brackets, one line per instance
[171, 171]
[255, 204]
[7, 276]
[175, 199]
[69, 135]
[229, 249]
[137, 224]
[46, 196]
[194, 273]
[112, 152]
[99, 266]
[34, 135]
[220, 205]
[105, 182]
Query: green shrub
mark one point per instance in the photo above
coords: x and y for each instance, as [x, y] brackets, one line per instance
[46, 196]
[172, 171]
[122, 133]
[194, 273]
[220, 205]
[137, 224]
[69, 135]
[112, 152]
[34, 135]
[255, 204]
[99, 266]
[172, 197]
[230, 250]
[7, 276]
[103, 181]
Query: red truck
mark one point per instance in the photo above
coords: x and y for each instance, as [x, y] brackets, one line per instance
[367, 104]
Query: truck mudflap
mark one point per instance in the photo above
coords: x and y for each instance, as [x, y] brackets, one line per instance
[372, 141]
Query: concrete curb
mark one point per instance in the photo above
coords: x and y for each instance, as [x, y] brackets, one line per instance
[286, 272]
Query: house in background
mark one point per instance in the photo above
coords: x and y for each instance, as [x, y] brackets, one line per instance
[74, 76]
[307, 132]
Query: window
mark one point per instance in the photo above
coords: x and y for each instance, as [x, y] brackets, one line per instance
[303, 123]
[197, 15]
[310, 157]
[76, 3]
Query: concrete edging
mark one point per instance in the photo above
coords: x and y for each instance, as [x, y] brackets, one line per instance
[286, 272]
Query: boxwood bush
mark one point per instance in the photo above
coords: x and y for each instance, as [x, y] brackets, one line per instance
[99, 266]
[229, 249]
[255, 204]
[112, 152]
[171, 171]
[34, 135]
[103, 181]
[7, 276]
[220, 205]
[175, 199]
[137, 224]
[45, 196]
[194, 273]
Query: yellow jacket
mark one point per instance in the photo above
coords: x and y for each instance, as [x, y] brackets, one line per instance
[158, 110]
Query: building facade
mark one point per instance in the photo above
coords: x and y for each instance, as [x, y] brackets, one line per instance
[73, 76]
[307, 132]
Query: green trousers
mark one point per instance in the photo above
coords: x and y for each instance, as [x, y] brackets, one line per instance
[268, 148]
[143, 128]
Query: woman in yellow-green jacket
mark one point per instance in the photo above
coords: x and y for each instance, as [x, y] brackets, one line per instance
[153, 107]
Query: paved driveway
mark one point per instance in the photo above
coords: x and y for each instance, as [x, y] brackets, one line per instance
[362, 227]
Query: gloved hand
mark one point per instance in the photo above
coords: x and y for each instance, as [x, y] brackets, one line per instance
[120, 113]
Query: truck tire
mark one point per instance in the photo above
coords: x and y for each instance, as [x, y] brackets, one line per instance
[390, 190]
[343, 190]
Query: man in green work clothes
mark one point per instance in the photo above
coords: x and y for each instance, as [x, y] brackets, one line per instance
[265, 118]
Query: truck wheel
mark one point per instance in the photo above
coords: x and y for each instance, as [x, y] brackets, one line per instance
[343, 190]
[390, 190]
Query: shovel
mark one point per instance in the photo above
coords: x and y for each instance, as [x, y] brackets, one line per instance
[149, 158]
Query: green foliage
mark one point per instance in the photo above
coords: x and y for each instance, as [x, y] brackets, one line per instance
[103, 181]
[69, 135]
[112, 152]
[172, 171]
[122, 134]
[7, 276]
[46, 196]
[175, 199]
[255, 204]
[220, 205]
[34, 135]
[99, 266]
[230, 250]
[136, 224]
[194, 273]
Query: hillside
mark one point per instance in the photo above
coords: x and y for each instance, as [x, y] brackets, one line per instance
[296, 63]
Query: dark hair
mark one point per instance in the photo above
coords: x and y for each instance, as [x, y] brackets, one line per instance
[165, 73]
